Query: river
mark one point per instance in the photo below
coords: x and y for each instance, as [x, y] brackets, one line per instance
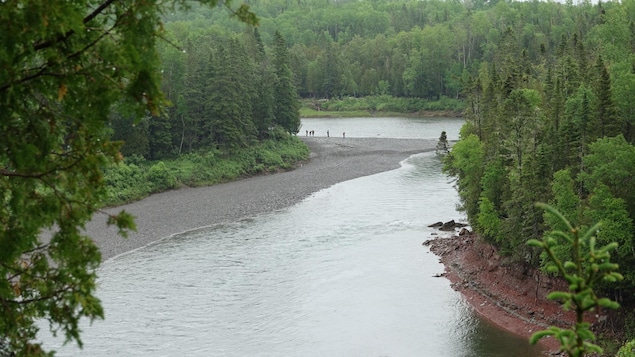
[342, 273]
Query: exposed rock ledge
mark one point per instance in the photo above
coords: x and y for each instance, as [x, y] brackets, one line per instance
[512, 296]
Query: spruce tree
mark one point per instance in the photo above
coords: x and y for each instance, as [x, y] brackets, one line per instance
[228, 101]
[193, 118]
[159, 136]
[605, 111]
[263, 100]
[286, 104]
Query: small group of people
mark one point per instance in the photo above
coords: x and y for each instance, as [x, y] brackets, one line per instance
[328, 133]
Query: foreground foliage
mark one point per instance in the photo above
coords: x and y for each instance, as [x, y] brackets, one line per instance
[63, 65]
[583, 269]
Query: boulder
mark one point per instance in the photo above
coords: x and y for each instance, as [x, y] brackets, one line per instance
[448, 226]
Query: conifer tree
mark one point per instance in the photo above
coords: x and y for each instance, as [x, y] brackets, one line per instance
[159, 136]
[228, 109]
[192, 124]
[287, 106]
[263, 100]
[606, 112]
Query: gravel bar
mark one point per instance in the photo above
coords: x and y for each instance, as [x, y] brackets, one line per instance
[332, 160]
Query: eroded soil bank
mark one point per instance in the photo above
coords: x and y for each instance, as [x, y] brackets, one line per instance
[512, 296]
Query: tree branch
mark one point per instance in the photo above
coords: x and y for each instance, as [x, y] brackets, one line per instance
[65, 36]
[60, 38]
[8, 173]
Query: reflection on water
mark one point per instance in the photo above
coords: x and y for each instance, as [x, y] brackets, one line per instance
[342, 273]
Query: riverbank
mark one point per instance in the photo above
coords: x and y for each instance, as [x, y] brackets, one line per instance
[332, 160]
[512, 296]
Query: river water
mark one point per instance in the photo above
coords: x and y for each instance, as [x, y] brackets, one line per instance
[342, 273]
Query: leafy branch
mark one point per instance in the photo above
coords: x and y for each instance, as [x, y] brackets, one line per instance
[588, 265]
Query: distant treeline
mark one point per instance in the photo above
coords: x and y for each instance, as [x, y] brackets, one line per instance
[424, 49]
[229, 83]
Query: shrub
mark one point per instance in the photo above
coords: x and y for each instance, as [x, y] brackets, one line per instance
[160, 178]
[124, 183]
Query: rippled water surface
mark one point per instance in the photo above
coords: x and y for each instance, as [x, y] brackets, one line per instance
[342, 273]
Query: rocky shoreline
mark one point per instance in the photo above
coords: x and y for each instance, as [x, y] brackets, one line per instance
[512, 296]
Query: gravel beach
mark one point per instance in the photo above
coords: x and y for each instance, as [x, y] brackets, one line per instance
[332, 160]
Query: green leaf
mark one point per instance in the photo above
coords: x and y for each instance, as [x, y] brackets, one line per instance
[558, 295]
[535, 243]
[540, 334]
[608, 303]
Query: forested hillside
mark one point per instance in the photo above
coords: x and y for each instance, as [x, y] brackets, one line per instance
[553, 122]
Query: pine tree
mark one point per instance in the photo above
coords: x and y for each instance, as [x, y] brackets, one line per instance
[159, 137]
[193, 114]
[263, 100]
[605, 111]
[228, 100]
[286, 104]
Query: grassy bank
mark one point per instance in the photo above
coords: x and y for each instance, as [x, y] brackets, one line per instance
[383, 105]
[136, 178]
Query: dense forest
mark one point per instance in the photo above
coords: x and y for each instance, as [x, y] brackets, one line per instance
[552, 121]
[225, 91]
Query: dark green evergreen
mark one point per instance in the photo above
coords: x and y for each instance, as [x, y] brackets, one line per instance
[286, 104]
